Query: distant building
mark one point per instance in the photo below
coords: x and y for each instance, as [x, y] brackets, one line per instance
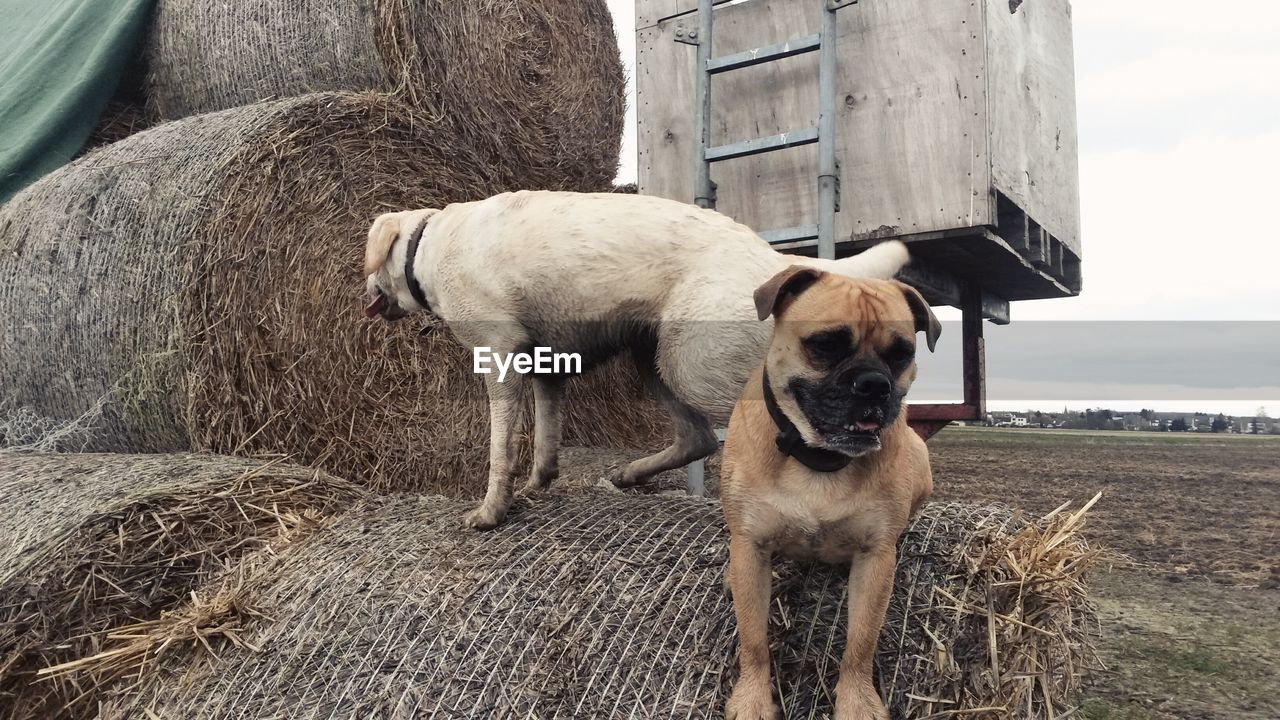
[1009, 420]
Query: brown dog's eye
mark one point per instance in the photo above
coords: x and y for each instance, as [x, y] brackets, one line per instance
[899, 355]
[828, 347]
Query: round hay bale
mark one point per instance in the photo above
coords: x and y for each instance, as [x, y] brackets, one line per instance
[604, 606]
[93, 542]
[198, 286]
[538, 83]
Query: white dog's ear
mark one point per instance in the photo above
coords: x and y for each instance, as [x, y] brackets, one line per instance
[923, 314]
[382, 236]
[772, 297]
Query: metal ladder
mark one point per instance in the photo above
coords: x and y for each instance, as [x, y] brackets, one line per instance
[824, 43]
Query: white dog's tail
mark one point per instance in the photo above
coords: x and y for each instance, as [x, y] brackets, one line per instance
[882, 261]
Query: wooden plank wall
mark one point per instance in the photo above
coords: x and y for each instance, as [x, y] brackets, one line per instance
[1031, 83]
[911, 97]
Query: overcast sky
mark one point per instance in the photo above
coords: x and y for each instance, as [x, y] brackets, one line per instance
[1179, 116]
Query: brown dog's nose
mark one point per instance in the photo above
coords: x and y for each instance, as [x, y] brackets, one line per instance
[872, 385]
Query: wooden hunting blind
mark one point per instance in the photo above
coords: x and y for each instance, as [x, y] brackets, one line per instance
[955, 129]
[831, 125]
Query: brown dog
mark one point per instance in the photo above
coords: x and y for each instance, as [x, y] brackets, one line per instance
[820, 464]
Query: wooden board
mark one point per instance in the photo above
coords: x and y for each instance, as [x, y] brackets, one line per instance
[651, 12]
[912, 116]
[1031, 82]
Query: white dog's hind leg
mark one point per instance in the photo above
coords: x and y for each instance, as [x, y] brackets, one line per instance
[548, 397]
[506, 425]
[694, 440]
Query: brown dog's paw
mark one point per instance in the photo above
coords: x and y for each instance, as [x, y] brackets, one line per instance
[751, 705]
[484, 518]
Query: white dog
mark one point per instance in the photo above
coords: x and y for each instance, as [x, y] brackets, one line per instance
[594, 274]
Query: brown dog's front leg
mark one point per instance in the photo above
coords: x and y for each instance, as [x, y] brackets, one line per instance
[870, 586]
[506, 420]
[750, 580]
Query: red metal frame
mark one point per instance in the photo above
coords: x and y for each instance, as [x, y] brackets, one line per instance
[928, 419]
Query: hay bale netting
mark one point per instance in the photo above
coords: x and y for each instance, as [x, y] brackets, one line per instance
[602, 606]
[93, 542]
[540, 81]
[197, 285]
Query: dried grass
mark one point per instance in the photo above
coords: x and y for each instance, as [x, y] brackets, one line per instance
[94, 542]
[998, 625]
[204, 277]
[537, 84]
[119, 120]
[602, 606]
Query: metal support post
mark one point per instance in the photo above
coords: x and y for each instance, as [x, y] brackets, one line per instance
[704, 191]
[927, 420]
[827, 136]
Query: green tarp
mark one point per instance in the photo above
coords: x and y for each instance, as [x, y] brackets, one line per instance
[60, 62]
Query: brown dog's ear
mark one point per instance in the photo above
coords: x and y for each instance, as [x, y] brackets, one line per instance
[923, 314]
[771, 298]
[382, 236]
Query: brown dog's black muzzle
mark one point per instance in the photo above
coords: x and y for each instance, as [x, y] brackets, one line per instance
[852, 403]
[867, 377]
[872, 386]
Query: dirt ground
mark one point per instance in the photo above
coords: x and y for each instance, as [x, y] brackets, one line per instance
[1189, 507]
[1189, 650]
[1189, 609]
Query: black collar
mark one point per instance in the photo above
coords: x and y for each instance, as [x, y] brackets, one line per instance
[410, 253]
[790, 442]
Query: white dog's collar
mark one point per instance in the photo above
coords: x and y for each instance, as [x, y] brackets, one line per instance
[410, 254]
